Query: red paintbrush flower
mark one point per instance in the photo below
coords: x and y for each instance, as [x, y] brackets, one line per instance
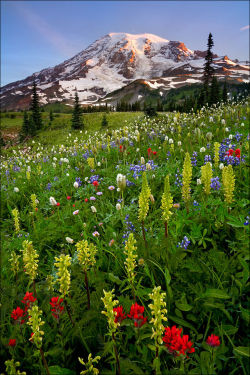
[12, 343]
[230, 152]
[119, 316]
[57, 307]
[213, 340]
[176, 343]
[17, 314]
[237, 152]
[136, 313]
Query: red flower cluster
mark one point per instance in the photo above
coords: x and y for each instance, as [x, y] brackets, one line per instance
[57, 307]
[150, 152]
[28, 299]
[12, 343]
[176, 343]
[136, 313]
[18, 313]
[213, 340]
[119, 316]
[231, 152]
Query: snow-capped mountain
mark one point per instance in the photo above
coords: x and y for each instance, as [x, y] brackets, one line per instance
[115, 61]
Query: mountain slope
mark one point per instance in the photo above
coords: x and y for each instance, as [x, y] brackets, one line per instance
[113, 62]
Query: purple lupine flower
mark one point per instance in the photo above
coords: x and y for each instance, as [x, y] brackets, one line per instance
[78, 180]
[215, 183]
[178, 178]
[93, 178]
[207, 159]
[184, 243]
[193, 159]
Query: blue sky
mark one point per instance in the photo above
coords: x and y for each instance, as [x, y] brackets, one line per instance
[39, 34]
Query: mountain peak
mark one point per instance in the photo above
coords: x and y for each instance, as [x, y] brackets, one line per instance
[128, 36]
[114, 61]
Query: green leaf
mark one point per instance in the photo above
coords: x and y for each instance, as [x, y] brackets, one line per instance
[242, 350]
[114, 279]
[215, 293]
[57, 370]
[183, 306]
[182, 322]
[229, 329]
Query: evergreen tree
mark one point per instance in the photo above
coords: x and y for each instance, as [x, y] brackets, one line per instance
[2, 143]
[150, 111]
[25, 130]
[77, 114]
[224, 92]
[208, 69]
[104, 121]
[214, 92]
[201, 99]
[51, 116]
[36, 119]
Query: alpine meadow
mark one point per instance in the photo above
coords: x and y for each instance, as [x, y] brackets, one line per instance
[125, 209]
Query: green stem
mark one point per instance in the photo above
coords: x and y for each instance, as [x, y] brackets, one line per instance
[44, 361]
[118, 369]
[87, 287]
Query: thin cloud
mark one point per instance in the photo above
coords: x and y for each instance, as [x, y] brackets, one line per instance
[48, 33]
[245, 28]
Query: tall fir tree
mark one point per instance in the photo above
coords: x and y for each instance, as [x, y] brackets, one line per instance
[36, 118]
[208, 69]
[214, 96]
[104, 121]
[224, 92]
[76, 120]
[25, 130]
[51, 115]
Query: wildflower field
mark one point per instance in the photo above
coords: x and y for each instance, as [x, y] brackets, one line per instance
[126, 251]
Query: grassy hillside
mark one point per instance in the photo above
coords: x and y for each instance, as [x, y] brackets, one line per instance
[11, 123]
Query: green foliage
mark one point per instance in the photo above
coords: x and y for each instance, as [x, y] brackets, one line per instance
[206, 283]
[104, 121]
[76, 121]
[35, 122]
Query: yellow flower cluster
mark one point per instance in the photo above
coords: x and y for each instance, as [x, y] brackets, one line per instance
[144, 198]
[216, 154]
[50, 283]
[14, 262]
[158, 311]
[30, 261]
[186, 179]
[33, 202]
[130, 262]
[228, 180]
[166, 201]
[63, 262]
[86, 254]
[91, 163]
[36, 323]
[109, 305]
[28, 175]
[11, 366]
[90, 369]
[206, 175]
[15, 213]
